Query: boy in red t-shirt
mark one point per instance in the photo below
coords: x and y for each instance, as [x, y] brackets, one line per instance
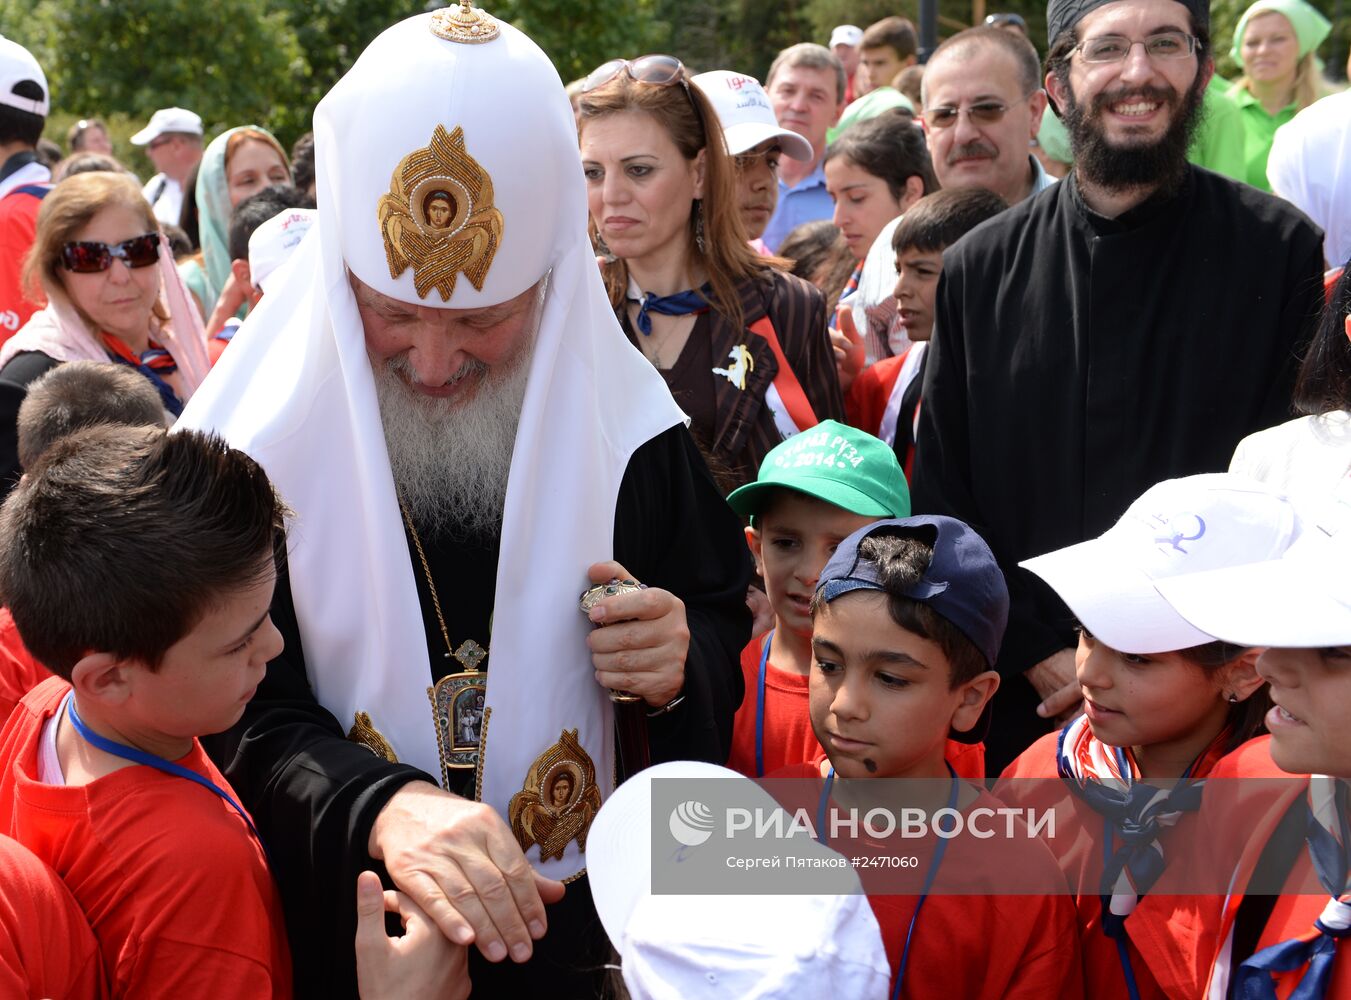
[908, 617]
[813, 490]
[71, 396]
[139, 568]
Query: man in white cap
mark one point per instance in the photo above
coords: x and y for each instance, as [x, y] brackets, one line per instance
[754, 137]
[24, 103]
[403, 367]
[173, 142]
[844, 42]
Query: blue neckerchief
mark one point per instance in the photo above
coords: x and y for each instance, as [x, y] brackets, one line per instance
[166, 393]
[680, 304]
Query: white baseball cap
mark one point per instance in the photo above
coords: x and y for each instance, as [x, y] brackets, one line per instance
[272, 242]
[17, 65]
[168, 120]
[1298, 599]
[846, 34]
[1177, 528]
[691, 947]
[746, 115]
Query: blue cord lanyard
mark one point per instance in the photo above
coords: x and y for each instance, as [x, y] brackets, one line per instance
[929, 876]
[760, 708]
[158, 763]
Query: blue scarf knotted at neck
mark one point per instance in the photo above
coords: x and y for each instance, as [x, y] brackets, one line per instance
[1136, 815]
[680, 304]
[1329, 843]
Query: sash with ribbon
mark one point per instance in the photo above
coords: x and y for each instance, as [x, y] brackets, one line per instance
[1327, 838]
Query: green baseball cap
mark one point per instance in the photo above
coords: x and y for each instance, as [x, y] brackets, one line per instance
[836, 463]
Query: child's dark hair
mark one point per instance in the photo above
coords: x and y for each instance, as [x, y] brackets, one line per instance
[1247, 717]
[901, 556]
[818, 248]
[81, 394]
[890, 146]
[938, 220]
[1324, 383]
[896, 33]
[256, 209]
[121, 541]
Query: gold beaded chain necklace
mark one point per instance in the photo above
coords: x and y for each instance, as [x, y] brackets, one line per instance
[458, 699]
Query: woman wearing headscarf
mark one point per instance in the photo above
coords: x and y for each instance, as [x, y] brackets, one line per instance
[112, 293]
[238, 163]
[1274, 44]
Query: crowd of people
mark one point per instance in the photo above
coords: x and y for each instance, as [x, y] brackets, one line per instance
[981, 420]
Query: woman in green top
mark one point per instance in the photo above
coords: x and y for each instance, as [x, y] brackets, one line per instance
[1274, 44]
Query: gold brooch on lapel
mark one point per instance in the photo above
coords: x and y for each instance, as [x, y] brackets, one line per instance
[438, 216]
[559, 800]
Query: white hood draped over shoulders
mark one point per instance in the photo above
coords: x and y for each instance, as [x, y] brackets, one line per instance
[296, 391]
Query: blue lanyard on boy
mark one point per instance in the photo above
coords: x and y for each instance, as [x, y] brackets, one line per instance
[1108, 850]
[158, 763]
[760, 708]
[929, 876]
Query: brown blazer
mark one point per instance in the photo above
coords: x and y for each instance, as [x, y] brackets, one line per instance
[743, 431]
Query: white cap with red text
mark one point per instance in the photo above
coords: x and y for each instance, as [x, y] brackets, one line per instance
[746, 115]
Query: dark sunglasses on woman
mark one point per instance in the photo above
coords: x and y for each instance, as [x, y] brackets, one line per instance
[91, 257]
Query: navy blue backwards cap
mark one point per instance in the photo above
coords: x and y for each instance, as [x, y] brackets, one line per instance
[963, 582]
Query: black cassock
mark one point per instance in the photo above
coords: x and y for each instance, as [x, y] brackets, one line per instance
[1078, 360]
[314, 795]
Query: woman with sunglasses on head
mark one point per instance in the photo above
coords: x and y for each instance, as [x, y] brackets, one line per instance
[112, 293]
[741, 343]
[237, 163]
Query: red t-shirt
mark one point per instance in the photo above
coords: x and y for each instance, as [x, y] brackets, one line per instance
[46, 947]
[1078, 848]
[866, 402]
[977, 947]
[19, 672]
[176, 888]
[18, 228]
[788, 735]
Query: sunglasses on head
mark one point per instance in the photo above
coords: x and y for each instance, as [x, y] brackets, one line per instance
[91, 257]
[658, 70]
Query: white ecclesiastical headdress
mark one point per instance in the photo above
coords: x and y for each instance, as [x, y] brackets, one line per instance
[420, 117]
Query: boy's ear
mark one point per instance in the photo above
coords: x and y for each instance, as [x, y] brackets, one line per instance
[1241, 678]
[243, 276]
[753, 543]
[975, 693]
[101, 677]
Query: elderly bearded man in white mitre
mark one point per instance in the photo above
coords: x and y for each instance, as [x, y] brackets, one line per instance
[468, 442]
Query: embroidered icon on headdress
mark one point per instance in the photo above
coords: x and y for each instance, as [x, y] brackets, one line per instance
[372, 739]
[462, 23]
[439, 216]
[559, 799]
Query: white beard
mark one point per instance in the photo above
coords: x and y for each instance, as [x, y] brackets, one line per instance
[451, 459]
